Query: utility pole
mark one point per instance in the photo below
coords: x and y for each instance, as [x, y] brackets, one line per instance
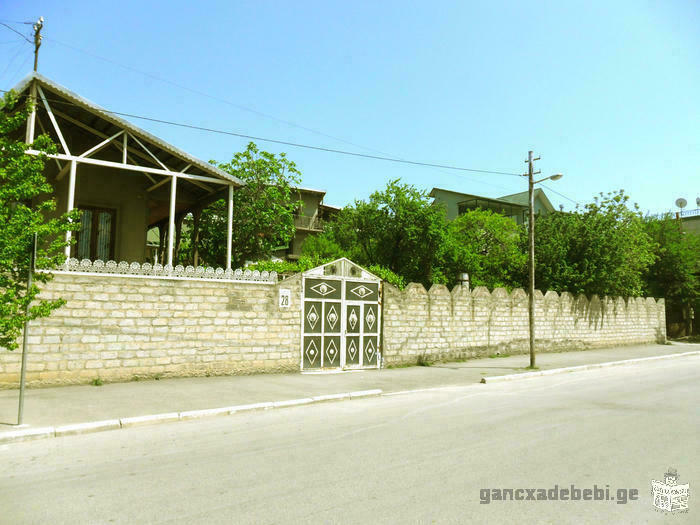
[531, 259]
[31, 120]
[37, 40]
[23, 370]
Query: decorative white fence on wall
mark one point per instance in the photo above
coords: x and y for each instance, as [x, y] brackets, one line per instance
[134, 269]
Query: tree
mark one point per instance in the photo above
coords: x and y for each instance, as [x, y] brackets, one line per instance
[601, 249]
[323, 246]
[397, 228]
[25, 201]
[488, 246]
[675, 274]
[263, 210]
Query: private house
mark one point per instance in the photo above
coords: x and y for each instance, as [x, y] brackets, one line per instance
[124, 179]
[514, 206]
[309, 220]
[127, 317]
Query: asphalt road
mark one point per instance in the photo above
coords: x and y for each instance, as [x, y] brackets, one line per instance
[411, 458]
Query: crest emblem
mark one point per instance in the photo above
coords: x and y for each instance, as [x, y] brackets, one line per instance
[352, 350]
[332, 352]
[311, 352]
[323, 289]
[312, 317]
[352, 319]
[332, 317]
[370, 350]
[361, 291]
[370, 318]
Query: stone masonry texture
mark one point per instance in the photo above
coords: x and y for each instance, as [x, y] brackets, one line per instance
[120, 328]
[441, 325]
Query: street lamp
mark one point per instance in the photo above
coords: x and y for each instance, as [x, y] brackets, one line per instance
[531, 258]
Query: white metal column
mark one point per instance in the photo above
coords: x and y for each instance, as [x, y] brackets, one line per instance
[229, 227]
[71, 201]
[171, 219]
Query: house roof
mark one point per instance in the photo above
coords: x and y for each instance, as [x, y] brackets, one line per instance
[518, 199]
[469, 197]
[522, 198]
[309, 190]
[108, 116]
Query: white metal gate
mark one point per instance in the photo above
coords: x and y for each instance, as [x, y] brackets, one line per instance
[341, 317]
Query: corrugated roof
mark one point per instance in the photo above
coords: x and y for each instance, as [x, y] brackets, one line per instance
[135, 130]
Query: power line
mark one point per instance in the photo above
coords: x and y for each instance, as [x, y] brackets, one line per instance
[560, 194]
[241, 107]
[14, 30]
[293, 144]
[19, 50]
[213, 97]
[385, 156]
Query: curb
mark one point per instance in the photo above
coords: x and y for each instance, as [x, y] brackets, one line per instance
[581, 368]
[31, 434]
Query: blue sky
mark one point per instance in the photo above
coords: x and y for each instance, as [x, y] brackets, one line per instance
[608, 93]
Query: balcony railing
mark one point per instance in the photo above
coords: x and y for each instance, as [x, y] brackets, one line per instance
[306, 222]
[690, 213]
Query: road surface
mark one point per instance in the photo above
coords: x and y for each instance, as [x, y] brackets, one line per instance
[425, 457]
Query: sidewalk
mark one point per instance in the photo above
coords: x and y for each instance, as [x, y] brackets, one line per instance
[79, 404]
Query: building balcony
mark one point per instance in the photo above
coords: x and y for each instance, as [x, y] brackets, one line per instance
[305, 222]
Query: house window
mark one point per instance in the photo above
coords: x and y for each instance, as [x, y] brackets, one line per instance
[95, 240]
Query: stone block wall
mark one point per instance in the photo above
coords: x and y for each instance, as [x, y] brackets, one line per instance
[119, 328]
[439, 324]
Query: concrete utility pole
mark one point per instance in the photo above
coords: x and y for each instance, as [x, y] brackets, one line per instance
[531, 258]
[531, 234]
[37, 40]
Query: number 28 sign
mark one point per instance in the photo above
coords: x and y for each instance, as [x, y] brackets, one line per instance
[285, 297]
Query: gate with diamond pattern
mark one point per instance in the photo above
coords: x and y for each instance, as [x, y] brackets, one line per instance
[341, 317]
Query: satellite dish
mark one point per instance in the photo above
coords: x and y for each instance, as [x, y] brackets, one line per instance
[681, 203]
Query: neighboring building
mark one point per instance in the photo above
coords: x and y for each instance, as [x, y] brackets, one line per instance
[125, 180]
[686, 321]
[308, 220]
[514, 206]
[690, 220]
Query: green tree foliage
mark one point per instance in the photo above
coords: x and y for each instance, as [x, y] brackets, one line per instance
[489, 247]
[24, 204]
[263, 210]
[286, 268]
[323, 246]
[387, 275]
[602, 249]
[397, 229]
[307, 262]
[675, 273]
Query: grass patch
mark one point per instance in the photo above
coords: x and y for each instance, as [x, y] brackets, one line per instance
[423, 361]
[97, 382]
[401, 365]
[496, 356]
[531, 368]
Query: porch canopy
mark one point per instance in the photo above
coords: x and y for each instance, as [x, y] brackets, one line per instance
[95, 143]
